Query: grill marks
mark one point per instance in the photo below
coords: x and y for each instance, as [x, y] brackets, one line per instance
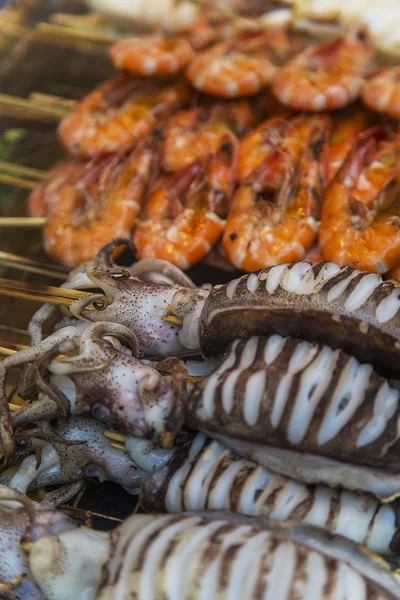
[297, 395]
[217, 479]
[193, 556]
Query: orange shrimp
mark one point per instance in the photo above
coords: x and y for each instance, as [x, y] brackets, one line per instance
[327, 76]
[382, 93]
[37, 204]
[191, 134]
[360, 223]
[184, 217]
[349, 124]
[151, 55]
[277, 142]
[116, 114]
[265, 229]
[241, 66]
[259, 148]
[99, 204]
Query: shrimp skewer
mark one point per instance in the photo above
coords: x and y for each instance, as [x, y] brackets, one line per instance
[99, 203]
[382, 92]
[116, 114]
[184, 217]
[360, 222]
[151, 55]
[192, 134]
[327, 76]
[242, 66]
[159, 55]
[258, 157]
[38, 201]
[350, 124]
[264, 230]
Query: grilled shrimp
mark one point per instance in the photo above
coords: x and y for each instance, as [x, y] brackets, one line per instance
[116, 114]
[183, 217]
[207, 476]
[360, 224]
[151, 55]
[265, 228]
[382, 92]
[192, 134]
[349, 124]
[304, 410]
[265, 152]
[160, 55]
[241, 66]
[210, 555]
[100, 202]
[46, 191]
[327, 76]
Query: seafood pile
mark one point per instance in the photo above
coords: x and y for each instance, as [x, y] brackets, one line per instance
[249, 146]
[259, 422]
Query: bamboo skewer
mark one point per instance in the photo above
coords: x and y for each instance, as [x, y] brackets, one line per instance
[40, 293]
[21, 176]
[28, 172]
[68, 31]
[25, 103]
[22, 222]
[52, 100]
[26, 184]
[32, 266]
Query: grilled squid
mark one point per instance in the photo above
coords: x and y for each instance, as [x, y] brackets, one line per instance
[23, 521]
[146, 308]
[216, 555]
[98, 378]
[71, 454]
[342, 307]
[208, 476]
[304, 410]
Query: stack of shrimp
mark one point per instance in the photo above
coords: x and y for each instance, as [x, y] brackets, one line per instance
[250, 144]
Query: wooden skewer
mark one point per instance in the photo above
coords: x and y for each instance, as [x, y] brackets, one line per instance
[26, 103]
[52, 100]
[22, 222]
[173, 320]
[26, 184]
[40, 293]
[21, 176]
[8, 351]
[68, 31]
[32, 265]
[28, 172]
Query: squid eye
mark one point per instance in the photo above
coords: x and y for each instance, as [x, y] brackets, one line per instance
[100, 412]
[99, 305]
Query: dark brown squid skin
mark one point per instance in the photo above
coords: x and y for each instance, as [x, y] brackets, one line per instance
[306, 400]
[233, 311]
